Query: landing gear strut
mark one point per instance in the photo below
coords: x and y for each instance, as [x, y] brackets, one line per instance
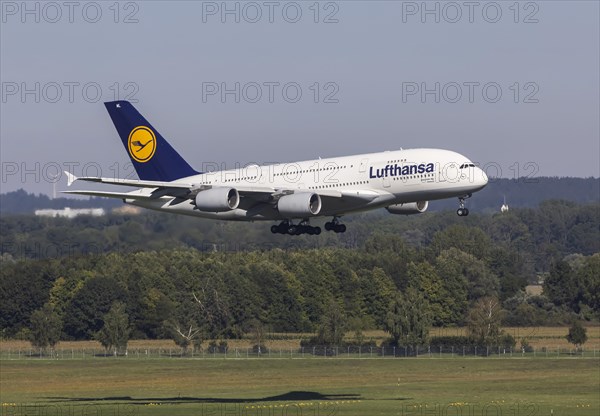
[462, 211]
[335, 226]
[287, 227]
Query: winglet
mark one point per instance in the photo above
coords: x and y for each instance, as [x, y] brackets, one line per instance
[70, 178]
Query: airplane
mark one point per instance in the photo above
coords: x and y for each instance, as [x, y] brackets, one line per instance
[402, 181]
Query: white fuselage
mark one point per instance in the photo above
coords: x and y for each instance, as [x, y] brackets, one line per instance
[347, 184]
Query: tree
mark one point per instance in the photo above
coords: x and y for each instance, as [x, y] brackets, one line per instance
[83, 316]
[156, 308]
[509, 268]
[577, 334]
[471, 240]
[257, 334]
[588, 282]
[378, 291]
[425, 279]
[333, 325]
[45, 328]
[214, 307]
[483, 321]
[452, 267]
[24, 288]
[408, 318]
[185, 336]
[560, 286]
[115, 331]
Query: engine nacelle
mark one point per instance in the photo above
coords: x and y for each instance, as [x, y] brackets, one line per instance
[299, 205]
[217, 199]
[409, 208]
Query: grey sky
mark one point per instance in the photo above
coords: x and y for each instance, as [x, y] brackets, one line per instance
[370, 61]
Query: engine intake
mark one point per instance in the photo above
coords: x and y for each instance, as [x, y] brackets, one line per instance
[217, 199]
[299, 205]
[409, 208]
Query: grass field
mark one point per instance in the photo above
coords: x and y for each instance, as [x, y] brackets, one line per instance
[432, 385]
[393, 386]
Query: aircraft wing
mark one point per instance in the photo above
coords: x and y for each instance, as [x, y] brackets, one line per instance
[249, 194]
[174, 189]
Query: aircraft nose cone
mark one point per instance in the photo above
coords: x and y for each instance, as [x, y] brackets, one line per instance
[483, 178]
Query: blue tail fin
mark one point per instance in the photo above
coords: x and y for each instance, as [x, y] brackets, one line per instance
[152, 156]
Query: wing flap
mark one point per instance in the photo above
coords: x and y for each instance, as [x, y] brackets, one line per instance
[249, 190]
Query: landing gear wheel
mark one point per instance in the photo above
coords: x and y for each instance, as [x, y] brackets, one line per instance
[462, 211]
[287, 227]
[335, 226]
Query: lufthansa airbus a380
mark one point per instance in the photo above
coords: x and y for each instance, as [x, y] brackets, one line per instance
[402, 181]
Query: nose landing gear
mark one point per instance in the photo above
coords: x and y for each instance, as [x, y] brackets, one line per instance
[462, 211]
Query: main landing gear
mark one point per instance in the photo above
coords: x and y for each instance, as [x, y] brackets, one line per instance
[335, 226]
[462, 211]
[286, 227]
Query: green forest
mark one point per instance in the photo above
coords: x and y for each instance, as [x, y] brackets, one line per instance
[169, 274]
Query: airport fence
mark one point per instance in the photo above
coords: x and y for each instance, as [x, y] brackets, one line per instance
[348, 352]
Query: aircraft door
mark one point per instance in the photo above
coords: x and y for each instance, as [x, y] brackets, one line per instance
[364, 164]
[262, 175]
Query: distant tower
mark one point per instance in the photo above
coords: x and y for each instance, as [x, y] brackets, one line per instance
[504, 207]
[54, 180]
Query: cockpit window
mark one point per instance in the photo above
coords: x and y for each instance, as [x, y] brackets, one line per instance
[467, 165]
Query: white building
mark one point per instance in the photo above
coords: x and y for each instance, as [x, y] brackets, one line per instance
[70, 212]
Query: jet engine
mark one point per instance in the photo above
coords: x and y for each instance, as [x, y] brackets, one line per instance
[409, 208]
[217, 199]
[299, 205]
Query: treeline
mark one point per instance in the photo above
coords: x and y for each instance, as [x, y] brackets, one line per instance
[522, 192]
[535, 236]
[449, 268]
